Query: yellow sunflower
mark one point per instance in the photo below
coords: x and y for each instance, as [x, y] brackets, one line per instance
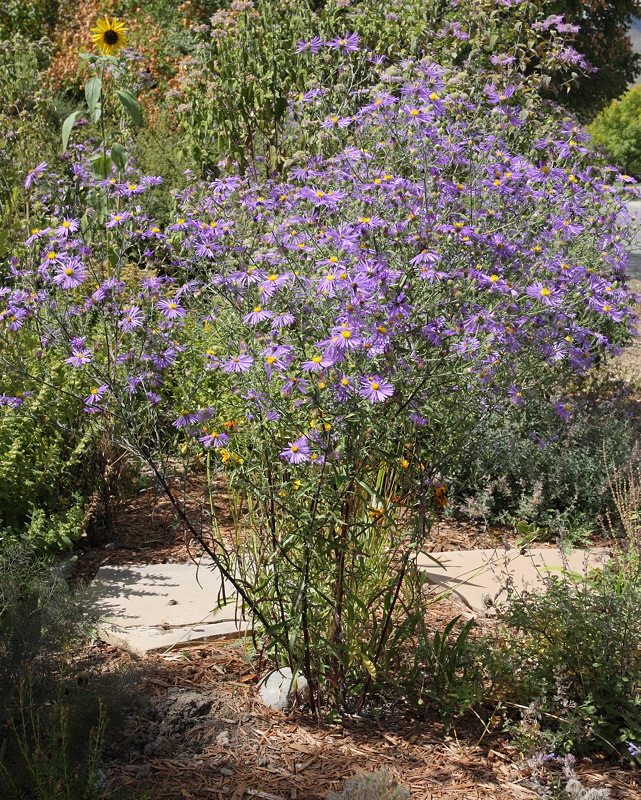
[109, 35]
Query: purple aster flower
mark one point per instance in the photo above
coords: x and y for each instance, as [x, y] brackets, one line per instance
[516, 395]
[564, 410]
[71, 273]
[278, 358]
[129, 189]
[283, 320]
[34, 174]
[375, 389]
[344, 388]
[240, 363]
[257, 315]
[67, 226]
[214, 439]
[154, 399]
[171, 309]
[14, 401]
[296, 452]
[313, 46]
[165, 359]
[185, 419]
[132, 383]
[349, 43]
[132, 318]
[341, 122]
[300, 384]
[96, 394]
[80, 356]
[36, 233]
[317, 363]
[118, 219]
[15, 317]
[548, 295]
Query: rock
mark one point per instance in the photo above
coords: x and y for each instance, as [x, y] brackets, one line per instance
[226, 772]
[277, 691]
[223, 738]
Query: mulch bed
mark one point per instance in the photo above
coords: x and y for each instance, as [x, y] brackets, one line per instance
[197, 729]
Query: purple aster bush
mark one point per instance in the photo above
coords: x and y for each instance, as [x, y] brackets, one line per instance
[328, 339]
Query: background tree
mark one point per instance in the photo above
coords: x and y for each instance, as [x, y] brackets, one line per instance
[604, 40]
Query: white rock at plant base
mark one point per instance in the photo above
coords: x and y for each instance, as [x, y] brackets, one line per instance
[277, 690]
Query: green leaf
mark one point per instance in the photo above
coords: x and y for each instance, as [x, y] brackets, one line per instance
[131, 105]
[101, 165]
[67, 125]
[119, 155]
[93, 90]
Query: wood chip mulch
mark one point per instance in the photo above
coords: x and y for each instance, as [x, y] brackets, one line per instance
[238, 748]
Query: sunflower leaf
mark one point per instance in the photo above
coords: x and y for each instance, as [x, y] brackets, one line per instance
[131, 106]
[67, 125]
[119, 155]
[93, 90]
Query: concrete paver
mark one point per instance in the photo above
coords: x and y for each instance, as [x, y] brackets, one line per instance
[149, 607]
[145, 607]
[476, 576]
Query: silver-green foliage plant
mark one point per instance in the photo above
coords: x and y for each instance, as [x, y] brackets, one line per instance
[371, 786]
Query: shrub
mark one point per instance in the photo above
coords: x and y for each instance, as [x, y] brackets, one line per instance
[53, 718]
[531, 466]
[38, 615]
[239, 88]
[328, 339]
[46, 474]
[33, 20]
[617, 129]
[444, 672]
[573, 655]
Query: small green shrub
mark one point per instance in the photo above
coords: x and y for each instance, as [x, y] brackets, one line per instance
[618, 130]
[44, 475]
[38, 615]
[33, 19]
[573, 656]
